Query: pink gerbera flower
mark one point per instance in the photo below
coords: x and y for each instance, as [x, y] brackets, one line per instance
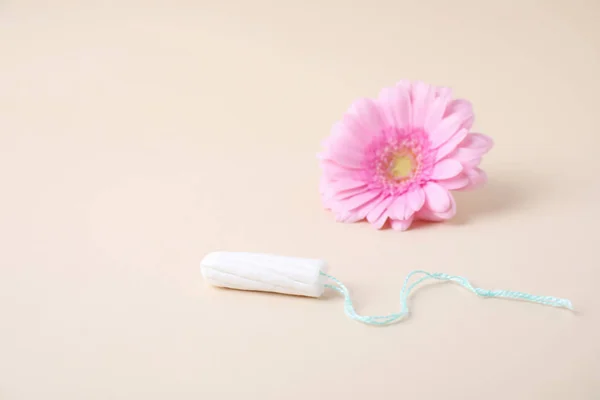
[398, 157]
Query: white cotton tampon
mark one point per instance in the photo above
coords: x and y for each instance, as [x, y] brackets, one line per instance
[265, 273]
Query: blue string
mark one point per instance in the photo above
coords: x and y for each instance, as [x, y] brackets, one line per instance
[406, 289]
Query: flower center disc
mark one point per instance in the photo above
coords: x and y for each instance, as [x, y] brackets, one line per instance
[402, 166]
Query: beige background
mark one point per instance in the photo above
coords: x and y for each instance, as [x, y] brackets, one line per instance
[135, 137]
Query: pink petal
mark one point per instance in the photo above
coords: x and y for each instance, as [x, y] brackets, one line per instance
[364, 120]
[422, 96]
[446, 129]
[400, 209]
[446, 169]
[359, 213]
[380, 221]
[364, 209]
[326, 190]
[451, 212]
[470, 150]
[323, 184]
[451, 144]
[326, 197]
[347, 132]
[416, 199]
[477, 178]
[458, 182]
[464, 108]
[346, 184]
[345, 158]
[436, 197]
[436, 109]
[429, 215]
[327, 203]
[348, 217]
[471, 163]
[379, 209]
[401, 225]
[335, 196]
[346, 194]
[466, 157]
[405, 84]
[335, 171]
[443, 91]
[426, 214]
[478, 141]
[358, 200]
[344, 153]
[395, 102]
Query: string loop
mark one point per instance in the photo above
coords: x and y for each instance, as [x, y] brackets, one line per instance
[406, 289]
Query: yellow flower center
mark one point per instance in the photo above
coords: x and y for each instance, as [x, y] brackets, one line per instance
[402, 166]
